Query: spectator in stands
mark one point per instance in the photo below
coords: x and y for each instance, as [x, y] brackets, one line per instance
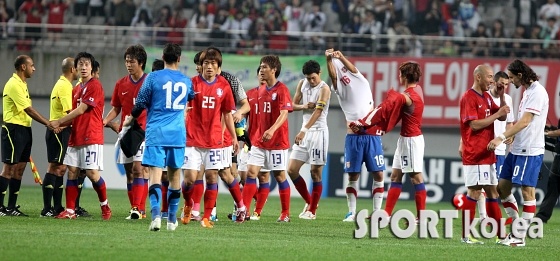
[480, 32]
[203, 21]
[397, 44]
[34, 11]
[481, 47]
[383, 12]
[56, 9]
[97, 8]
[548, 10]
[526, 12]
[314, 21]
[398, 7]
[267, 6]
[188, 4]
[548, 34]
[294, 17]
[498, 48]
[217, 34]
[467, 10]
[257, 34]
[6, 17]
[139, 25]
[341, 8]
[147, 5]
[360, 7]
[162, 22]
[249, 9]
[432, 26]
[353, 27]
[536, 48]
[449, 49]
[276, 23]
[418, 13]
[370, 26]
[455, 25]
[239, 22]
[81, 7]
[178, 23]
[233, 4]
[515, 48]
[125, 11]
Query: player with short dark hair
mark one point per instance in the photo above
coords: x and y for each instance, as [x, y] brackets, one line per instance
[85, 147]
[123, 99]
[157, 65]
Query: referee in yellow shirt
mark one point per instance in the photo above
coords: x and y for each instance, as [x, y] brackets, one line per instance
[57, 141]
[16, 133]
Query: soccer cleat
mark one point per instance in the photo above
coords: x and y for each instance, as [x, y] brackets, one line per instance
[172, 226]
[58, 211]
[255, 216]
[349, 217]
[143, 214]
[164, 215]
[196, 218]
[415, 222]
[47, 213]
[135, 213]
[512, 241]
[213, 218]
[128, 218]
[240, 214]
[304, 210]
[308, 215]
[15, 212]
[156, 224]
[66, 215]
[471, 240]
[106, 212]
[186, 217]
[207, 224]
[283, 218]
[3, 211]
[82, 212]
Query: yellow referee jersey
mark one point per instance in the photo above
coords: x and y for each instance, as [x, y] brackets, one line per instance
[61, 98]
[15, 98]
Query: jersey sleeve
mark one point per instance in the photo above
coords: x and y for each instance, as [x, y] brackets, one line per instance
[190, 89]
[115, 101]
[19, 97]
[510, 116]
[493, 106]
[535, 102]
[228, 104]
[91, 97]
[145, 94]
[468, 110]
[284, 100]
[65, 97]
[238, 90]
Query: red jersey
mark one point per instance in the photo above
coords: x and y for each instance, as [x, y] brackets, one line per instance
[412, 115]
[253, 98]
[87, 128]
[28, 7]
[270, 102]
[124, 96]
[56, 15]
[476, 106]
[204, 128]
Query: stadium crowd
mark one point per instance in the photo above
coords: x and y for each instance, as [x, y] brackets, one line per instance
[286, 26]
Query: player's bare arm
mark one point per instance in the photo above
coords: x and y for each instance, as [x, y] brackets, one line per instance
[516, 128]
[67, 120]
[267, 135]
[108, 121]
[228, 119]
[330, 68]
[347, 64]
[483, 123]
[509, 140]
[240, 114]
[461, 148]
[324, 96]
[297, 99]
[34, 114]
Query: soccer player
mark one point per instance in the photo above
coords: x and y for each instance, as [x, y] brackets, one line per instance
[409, 154]
[85, 146]
[270, 147]
[212, 103]
[57, 143]
[17, 114]
[523, 163]
[478, 113]
[312, 142]
[355, 97]
[123, 99]
[164, 95]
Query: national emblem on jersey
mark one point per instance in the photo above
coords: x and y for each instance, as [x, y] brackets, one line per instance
[274, 97]
[219, 92]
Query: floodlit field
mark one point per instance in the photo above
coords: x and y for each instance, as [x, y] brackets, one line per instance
[327, 238]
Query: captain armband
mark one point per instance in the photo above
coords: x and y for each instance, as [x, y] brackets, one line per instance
[320, 105]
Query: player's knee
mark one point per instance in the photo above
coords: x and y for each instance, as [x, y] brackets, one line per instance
[415, 177]
[316, 174]
[9, 170]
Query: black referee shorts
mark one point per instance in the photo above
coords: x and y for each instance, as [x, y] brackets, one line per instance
[16, 143]
[57, 145]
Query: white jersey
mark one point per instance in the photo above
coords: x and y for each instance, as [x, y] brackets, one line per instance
[530, 141]
[500, 126]
[353, 92]
[311, 94]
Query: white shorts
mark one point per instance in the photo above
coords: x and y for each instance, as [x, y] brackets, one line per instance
[268, 159]
[480, 175]
[409, 155]
[122, 159]
[85, 157]
[195, 157]
[242, 158]
[313, 148]
[227, 154]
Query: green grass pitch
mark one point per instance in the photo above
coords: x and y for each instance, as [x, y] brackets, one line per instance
[327, 238]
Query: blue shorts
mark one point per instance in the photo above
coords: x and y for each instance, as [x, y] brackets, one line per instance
[499, 163]
[522, 170]
[360, 149]
[157, 156]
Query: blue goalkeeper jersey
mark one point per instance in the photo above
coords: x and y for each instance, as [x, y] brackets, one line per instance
[164, 94]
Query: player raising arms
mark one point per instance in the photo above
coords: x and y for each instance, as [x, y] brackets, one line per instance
[123, 99]
[312, 142]
[355, 97]
[85, 146]
[271, 143]
[478, 113]
[164, 95]
[212, 102]
[523, 163]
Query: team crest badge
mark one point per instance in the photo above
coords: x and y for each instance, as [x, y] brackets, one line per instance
[219, 92]
[274, 96]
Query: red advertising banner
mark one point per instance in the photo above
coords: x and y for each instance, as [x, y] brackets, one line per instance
[445, 80]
